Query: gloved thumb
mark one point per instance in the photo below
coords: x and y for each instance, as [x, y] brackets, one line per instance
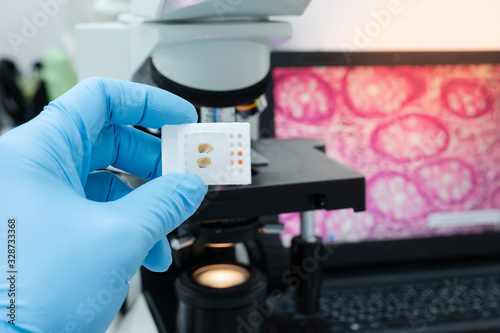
[157, 208]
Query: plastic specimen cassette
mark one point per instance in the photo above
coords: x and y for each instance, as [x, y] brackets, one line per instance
[219, 153]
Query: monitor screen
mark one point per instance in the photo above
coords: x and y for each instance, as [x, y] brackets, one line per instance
[426, 137]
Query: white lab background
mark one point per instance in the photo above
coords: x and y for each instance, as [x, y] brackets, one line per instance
[28, 28]
[430, 25]
[327, 25]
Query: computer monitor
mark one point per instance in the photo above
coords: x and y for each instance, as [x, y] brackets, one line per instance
[424, 129]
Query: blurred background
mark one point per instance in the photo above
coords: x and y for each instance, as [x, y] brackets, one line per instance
[327, 25]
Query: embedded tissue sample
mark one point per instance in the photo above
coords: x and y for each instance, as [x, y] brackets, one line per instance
[204, 162]
[205, 148]
[427, 138]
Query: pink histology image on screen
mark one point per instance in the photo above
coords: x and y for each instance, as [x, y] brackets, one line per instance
[427, 139]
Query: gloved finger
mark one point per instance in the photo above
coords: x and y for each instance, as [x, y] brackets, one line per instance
[159, 257]
[161, 205]
[127, 149]
[98, 101]
[104, 186]
[76, 119]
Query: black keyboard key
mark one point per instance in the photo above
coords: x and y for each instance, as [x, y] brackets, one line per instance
[398, 306]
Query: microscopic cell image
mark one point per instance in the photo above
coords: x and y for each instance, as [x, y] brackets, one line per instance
[402, 199]
[354, 227]
[493, 152]
[304, 97]
[380, 91]
[449, 180]
[418, 136]
[427, 139]
[466, 98]
[495, 197]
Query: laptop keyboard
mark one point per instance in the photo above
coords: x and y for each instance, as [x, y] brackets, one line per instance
[404, 306]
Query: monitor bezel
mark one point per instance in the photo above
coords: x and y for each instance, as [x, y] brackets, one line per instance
[459, 246]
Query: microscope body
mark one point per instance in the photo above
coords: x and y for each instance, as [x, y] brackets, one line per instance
[216, 54]
[209, 45]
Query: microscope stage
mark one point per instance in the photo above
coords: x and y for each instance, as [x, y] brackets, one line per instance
[299, 177]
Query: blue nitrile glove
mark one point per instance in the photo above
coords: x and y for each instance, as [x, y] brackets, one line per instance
[81, 235]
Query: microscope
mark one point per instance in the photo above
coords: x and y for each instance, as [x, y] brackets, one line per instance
[230, 271]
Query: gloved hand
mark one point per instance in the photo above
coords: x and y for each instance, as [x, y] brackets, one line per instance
[79, 235]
